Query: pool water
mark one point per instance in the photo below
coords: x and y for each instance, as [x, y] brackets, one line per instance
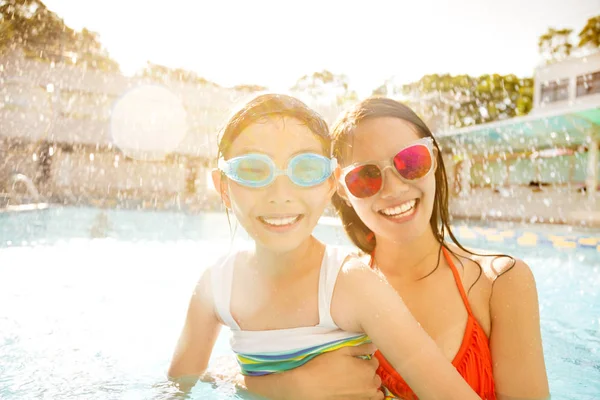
[92, 301]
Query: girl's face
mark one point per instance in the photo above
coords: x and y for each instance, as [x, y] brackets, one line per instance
[400, 211]
[282, 215]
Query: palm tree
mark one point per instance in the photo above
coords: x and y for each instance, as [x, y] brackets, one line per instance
[590, 34]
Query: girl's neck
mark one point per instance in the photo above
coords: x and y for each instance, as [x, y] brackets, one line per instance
[411, 260]
[289, 262]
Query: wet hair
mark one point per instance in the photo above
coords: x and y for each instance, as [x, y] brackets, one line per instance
[267, 106]
[343, 134]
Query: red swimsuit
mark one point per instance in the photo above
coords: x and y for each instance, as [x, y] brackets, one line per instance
[473, 360]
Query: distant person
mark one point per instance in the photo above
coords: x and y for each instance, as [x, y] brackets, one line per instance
[101, 226]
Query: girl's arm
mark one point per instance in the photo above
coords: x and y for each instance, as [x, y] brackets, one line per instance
[515, 339]
[198, 335]
[364, 302]
[335, 375]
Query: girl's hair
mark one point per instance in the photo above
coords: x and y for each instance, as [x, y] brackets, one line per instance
[266, 106]
[342, 135]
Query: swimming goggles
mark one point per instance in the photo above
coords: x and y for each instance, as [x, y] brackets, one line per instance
[259, 170]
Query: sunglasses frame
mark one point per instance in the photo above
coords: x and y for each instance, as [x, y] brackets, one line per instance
[389, 163]
[225, 166]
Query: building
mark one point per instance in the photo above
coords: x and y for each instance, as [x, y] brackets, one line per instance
[543, 166]
[56, 128]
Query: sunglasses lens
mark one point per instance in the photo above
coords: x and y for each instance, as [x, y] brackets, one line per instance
[364, 181]
[252, 170]
[413, 162]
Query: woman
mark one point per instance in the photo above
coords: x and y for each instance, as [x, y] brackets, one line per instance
[481, 310]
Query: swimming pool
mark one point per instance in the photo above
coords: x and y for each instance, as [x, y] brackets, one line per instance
[92, 301]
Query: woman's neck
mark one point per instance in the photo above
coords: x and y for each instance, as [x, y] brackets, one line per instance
[412, 259]
[289, 262]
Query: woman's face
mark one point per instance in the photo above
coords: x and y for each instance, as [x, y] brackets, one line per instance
[400, 212]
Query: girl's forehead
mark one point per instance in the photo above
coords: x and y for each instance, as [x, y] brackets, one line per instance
[276, 136]
[380, 138]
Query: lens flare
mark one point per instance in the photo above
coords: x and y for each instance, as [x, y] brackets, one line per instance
[148, 123]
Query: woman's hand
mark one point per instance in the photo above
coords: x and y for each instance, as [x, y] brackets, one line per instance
[335, 375]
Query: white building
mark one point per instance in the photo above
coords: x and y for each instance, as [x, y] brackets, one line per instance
[548, 159]
[574, 82]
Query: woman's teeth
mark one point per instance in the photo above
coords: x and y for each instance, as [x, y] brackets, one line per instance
[279, 221]
[401, 210]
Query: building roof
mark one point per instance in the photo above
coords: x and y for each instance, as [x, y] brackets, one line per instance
[569, 127]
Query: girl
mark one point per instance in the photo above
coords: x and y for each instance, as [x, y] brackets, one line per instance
[481, 311]
[290, 298]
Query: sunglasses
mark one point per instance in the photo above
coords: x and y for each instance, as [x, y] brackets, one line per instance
[259, 170]
[411, 163]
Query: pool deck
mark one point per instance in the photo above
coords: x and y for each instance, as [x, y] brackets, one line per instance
[548, 205]
[24, 207]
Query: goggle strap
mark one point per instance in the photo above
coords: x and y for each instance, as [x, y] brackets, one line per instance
[223, 166]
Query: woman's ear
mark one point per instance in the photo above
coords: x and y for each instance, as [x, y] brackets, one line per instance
[221, 187]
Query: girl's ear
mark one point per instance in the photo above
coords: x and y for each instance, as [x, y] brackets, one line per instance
[221, 187]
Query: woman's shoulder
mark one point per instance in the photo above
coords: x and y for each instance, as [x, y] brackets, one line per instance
[496, 267]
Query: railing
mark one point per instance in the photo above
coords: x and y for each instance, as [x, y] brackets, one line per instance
[33, 195]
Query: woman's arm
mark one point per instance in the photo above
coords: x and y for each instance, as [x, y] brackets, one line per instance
[198, 336]
[364, 302]
[515, 338]
[335, 375]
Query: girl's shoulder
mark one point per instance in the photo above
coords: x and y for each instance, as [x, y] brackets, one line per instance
[222, 265]
[355, 255]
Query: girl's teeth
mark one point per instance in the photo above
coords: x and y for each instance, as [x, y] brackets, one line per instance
[280, 221]
[401, 209]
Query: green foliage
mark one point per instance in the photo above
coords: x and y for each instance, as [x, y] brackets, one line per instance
[326, 86]
[161, 73]
[250, 88]
[27, 25]
[590, 34]
[458, 101]
[555, 45]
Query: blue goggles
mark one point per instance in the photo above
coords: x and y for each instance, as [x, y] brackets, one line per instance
[259, 170]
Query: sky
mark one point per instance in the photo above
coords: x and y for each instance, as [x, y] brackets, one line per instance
[275, 42]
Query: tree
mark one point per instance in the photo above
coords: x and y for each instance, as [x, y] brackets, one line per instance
[555, 45]
[389, 88]
[326, 87]
[161, 73]
[590, 34]
[445, 101]
[381, 91]
[29, 26]
[250, 88]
